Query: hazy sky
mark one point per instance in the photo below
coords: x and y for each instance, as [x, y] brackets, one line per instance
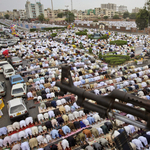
[77, 4]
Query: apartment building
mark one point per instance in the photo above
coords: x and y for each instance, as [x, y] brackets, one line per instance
[10, 13]
[101, 12]
[109, 6]
[22, 14]
[98, 11]
[110, 13]
[34, 10]
[39, 9]
[136, 10]
[15, 14]
[122, 9]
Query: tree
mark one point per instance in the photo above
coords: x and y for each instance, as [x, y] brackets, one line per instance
[95, 20]
[70, 16]
[132, 16]
[47, 20]
[116, 17]
[126, 14]
[41, 17]
[105, 17]
[60, 15]
[147, 5]
[6, 16]
[142, 19]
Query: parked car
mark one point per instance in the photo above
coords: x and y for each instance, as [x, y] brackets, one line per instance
[15, 61]
[16, 79]
[16, 108]
[8, 71]
[19, 90]
[4, 44]
[12, 50]
[1, 65]
[11, 42]
[6, 29]
[2, 88]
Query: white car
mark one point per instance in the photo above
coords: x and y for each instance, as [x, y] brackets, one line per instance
[19, 90]
[8, 71]
[6, 29]
[12, 50]
[1, 65]
[16, 108]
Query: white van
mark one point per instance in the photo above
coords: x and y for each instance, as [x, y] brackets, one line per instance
[19, 90]
[1, 65]
[8, 71]
[17, 108]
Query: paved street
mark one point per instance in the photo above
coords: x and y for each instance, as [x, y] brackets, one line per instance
[5, 118]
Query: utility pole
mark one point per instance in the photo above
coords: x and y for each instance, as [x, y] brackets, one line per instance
[147, 7]
[71, 6]
[53, 16]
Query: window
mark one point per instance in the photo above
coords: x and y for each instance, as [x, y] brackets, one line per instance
[17, 79]
[17, 109]
[17, 91]
[9, 70]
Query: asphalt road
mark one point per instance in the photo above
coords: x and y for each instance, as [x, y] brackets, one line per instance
[5, 120]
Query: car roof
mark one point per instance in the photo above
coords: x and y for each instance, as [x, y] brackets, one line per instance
[4, 62]
[16, 76]
[7, 66]
[15, 101]
[15, 86]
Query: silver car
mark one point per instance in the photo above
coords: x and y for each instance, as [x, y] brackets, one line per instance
[15, 61]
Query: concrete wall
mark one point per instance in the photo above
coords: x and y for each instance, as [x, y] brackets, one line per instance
[113, 28]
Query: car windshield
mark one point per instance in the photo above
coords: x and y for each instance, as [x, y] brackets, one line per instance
[17, 109]
[9, 70]
[16, 91]
[16, 79]
[15, 59]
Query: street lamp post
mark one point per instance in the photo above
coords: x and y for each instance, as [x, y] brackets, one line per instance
[147, 6]
[67, 11]
[53, 17]
[71, 6]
